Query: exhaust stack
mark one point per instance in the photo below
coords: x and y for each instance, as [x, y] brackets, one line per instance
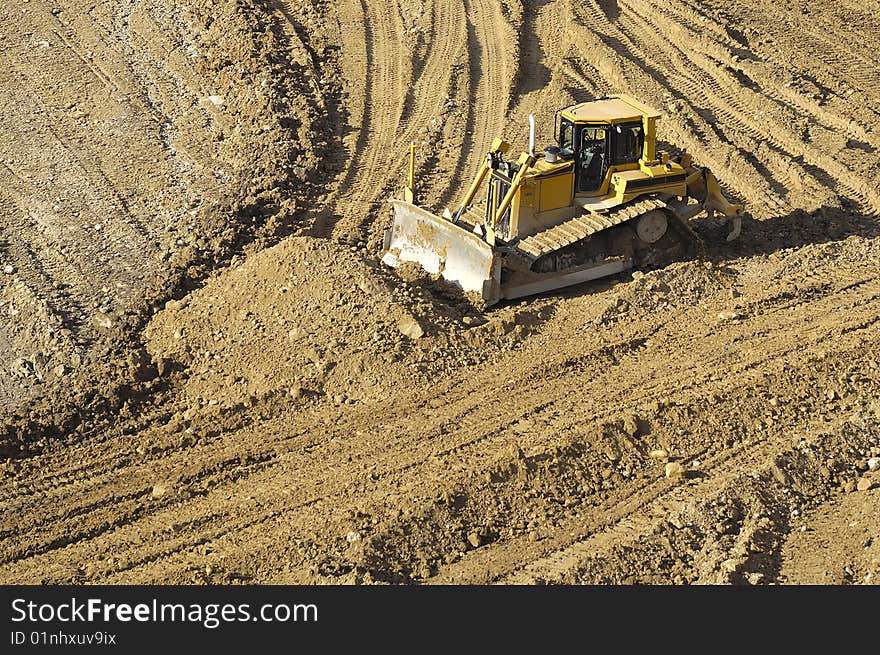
[531, 135]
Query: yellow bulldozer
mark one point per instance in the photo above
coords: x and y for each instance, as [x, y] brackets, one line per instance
[601, 201]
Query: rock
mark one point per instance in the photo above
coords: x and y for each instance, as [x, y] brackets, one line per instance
[864, 484]
[729, 316]
[296, 334]
[22, 368]
[217, 101]
[59, 370]
[849, 486]
[503, 327]
[9, 269]
[674, 470]
[353, 536]
[659, 453]
[779, 475]
[160, 489]
[409, 327]
[631, 425]
[473, 321]
[874, 464]
[474, 539]
[102, 320]
[371, 287]
[755, 578]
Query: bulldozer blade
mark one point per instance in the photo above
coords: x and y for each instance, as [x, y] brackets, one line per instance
[440, 246]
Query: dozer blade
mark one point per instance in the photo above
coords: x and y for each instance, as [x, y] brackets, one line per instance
[439, 246]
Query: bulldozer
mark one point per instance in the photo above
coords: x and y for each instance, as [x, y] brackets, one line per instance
[601, 201]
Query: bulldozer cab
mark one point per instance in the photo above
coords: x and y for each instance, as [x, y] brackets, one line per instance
[599, 146]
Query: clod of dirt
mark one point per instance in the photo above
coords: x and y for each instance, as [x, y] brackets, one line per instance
[674, 470]
[409, 327]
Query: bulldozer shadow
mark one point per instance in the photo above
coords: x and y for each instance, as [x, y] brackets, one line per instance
[758, 237]
[794, 230]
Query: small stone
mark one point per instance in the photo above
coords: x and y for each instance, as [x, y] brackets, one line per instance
[755, 578]
[779, 475]
[296, 334]
[864, 484]
[215, 100]
[160, 489]
[849, 486]
[659, 453]
[22, 367]
[674, 470]
[353, 536]
[9, 269]
[631, 425]
[410, 327]
[371, 287]
[102, 320]
[874, 464]
[729, 316]
[474, 539]
[729, 565]
[59, 370]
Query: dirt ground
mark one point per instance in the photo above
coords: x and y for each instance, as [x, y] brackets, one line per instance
[208, 377]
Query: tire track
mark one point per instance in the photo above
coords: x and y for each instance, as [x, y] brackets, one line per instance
[732, 102]
[492, 51]
[282, 487]
[405, 98]
[387, 78]
[709, 86]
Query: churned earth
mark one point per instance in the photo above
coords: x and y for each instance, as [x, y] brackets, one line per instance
[209, 377]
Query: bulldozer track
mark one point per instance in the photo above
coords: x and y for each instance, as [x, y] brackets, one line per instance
[581, 227]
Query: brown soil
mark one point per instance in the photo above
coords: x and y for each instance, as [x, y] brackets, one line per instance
[208, 376]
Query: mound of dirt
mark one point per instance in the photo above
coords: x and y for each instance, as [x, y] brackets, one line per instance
[304, 319]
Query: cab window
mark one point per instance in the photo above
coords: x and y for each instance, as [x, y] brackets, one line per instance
[591, 159]
[627, 142]
[566, 138]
